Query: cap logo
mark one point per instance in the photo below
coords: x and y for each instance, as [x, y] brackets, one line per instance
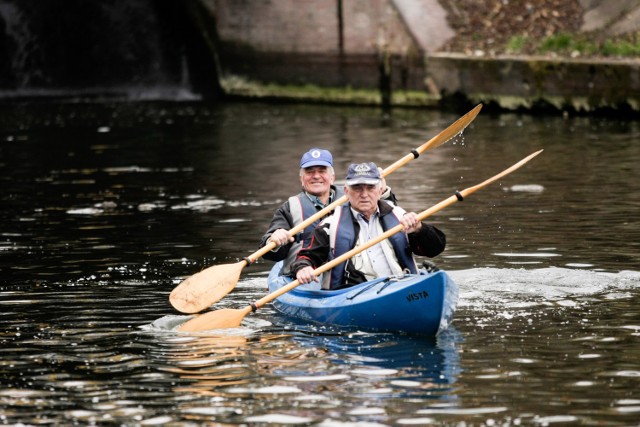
[363, 173]
[362, 169]
[316, 157]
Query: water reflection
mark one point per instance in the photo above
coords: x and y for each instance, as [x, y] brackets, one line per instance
[107, 208]
[280, 367]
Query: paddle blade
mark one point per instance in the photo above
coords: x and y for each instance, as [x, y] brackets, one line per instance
[219, 319]
[202, 289]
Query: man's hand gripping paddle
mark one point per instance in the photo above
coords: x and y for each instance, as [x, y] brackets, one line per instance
[208, 286]
[231, 318]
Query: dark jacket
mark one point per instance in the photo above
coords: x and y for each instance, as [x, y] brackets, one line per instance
[282, 218]
[429, 241]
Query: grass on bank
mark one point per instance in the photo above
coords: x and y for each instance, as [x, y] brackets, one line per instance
[574, 45]
[332, 95]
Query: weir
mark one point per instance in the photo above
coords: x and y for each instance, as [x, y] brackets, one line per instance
[134, 49]
[387, 54]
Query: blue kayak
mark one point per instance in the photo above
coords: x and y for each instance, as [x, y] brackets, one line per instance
[414, 303]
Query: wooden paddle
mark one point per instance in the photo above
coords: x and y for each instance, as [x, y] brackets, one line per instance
[231, 318]
[208, 286]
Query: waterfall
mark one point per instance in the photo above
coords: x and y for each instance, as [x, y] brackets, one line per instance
[96, 49]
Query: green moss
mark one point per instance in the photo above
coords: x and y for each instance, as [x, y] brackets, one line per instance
[312, 93]
[556, 43]
[621, 48]
[517, 44]
[576, 44]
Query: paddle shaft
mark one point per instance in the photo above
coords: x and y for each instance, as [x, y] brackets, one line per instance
[208, 286]
[454, 129]
[459, 196]
[229, 318]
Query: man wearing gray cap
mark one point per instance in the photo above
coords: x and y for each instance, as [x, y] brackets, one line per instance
[363, 218]
[317, 178]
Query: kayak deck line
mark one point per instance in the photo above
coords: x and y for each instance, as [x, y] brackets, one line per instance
[421, 303]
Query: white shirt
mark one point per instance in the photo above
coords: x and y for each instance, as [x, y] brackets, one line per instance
[379, 260]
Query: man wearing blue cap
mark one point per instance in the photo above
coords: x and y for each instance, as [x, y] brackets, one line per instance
[363, 218]
[317, 177]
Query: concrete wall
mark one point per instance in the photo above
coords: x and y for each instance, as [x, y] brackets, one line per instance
[528, 83]
[316, 42]
[315, 26]
[373, 43]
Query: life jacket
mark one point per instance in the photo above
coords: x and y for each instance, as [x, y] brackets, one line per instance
[301, 208]
[343, 237]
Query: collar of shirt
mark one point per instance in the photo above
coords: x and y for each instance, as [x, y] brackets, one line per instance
[317, 202]
[361, 217]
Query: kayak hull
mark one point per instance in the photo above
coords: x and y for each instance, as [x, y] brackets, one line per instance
[415, 303]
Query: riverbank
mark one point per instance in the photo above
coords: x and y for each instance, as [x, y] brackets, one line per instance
[523, 83]
[580, 56]
[398, 53]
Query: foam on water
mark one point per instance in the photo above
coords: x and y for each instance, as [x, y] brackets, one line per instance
[525, 188]
[518, 287]
[278, 419]
[170, 323]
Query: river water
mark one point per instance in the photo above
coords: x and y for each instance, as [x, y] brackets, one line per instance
[106, 208]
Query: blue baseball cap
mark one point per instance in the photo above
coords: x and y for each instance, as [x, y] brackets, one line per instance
[363, 173]
[316, 157]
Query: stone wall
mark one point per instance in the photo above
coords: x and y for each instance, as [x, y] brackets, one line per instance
[310, 41]
[538, 83]
[311, 26]
[392, 45]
